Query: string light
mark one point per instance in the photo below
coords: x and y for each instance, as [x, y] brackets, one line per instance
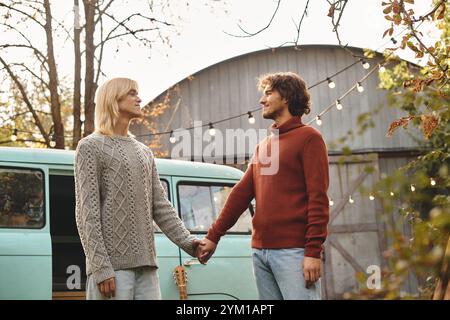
[251, 118]
[350, 199]
[331, 83]
[381, 68]
[413, 188]
[172, 138]
[331, 202]
[359, 87]
[212, 131]
[53, 142]
[371, 197]
[338, 104]
[318, 121]
[14, 136]
[394, 41]
[392, 194]
[365, 64]
[432, 182]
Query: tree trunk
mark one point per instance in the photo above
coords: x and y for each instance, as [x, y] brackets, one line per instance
[89, 85]
[53, 77]
[77, 78]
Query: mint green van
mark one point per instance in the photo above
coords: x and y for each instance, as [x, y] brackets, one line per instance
[40, 251]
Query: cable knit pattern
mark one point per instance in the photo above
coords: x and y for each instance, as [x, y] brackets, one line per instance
[118, 196]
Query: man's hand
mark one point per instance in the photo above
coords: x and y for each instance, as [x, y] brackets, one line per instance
[207, 251]
[311, 270]
[108, 287]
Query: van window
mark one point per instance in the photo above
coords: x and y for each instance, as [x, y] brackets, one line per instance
[201, 203]
[22, 198]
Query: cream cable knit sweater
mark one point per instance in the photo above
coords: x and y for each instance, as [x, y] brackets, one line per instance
[118, 195]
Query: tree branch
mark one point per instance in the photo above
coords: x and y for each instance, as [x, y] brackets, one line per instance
[249, 34]
[26, 100]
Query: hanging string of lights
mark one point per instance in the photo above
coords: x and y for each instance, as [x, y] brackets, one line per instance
[338, 103]
[251, 119]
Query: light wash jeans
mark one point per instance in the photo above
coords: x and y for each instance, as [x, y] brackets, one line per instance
[140, 283]
[279, 275]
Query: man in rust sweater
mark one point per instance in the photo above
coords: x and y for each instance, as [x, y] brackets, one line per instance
[289, 178]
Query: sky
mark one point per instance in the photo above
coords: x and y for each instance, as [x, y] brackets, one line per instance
[200, 38]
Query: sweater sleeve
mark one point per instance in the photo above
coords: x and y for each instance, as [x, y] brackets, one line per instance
[237, 202]
[87, 213]
[315, 164]
[166, 217]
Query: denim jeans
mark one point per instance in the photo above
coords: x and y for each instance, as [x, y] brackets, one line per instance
[279, 275]
[140, 283]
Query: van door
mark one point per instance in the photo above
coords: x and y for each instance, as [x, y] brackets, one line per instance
[229, 273]
[25, 245]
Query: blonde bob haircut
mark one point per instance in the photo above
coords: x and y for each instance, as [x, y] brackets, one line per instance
[106, 103]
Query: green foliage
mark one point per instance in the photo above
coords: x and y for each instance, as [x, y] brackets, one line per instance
[419, 193]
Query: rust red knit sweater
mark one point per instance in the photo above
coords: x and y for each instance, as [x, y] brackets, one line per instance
[292, 205]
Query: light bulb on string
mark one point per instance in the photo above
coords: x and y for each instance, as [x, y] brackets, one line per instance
[413, 188]
[365, 64]
[212, 131]
[331, 83]
[350, 199]
[371, 197]
[172, 138]
[392, 194]
[381, 68]
[338, 104]
[318, 121]
[14, 135]
[359, 87]
[432, 182]
[53, 142]
[251, 118]
[331, 202]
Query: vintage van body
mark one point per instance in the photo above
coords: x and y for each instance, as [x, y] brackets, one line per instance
[40, 251]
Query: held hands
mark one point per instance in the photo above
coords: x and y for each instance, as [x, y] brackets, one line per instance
[204, 249]
[311, 270]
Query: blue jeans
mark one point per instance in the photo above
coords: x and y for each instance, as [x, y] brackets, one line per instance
[141, 283]
[279, 275]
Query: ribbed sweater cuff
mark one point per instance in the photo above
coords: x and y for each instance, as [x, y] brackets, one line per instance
[213, 236]
[187, 245]
[103, 274]
[313, 252]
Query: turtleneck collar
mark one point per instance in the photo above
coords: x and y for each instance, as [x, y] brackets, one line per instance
[292, 123]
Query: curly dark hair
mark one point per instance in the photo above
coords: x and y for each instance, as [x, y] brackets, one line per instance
[291, 87]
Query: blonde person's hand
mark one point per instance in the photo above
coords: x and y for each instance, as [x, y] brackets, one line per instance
[108, 288]
[311, 270]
